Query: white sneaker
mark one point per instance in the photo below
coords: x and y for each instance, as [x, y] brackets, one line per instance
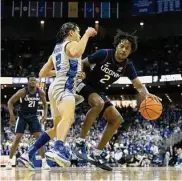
[45, 166]
[9, 166]
[179, 166]
[24, 159]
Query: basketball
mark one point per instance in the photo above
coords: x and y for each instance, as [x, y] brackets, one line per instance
[150, 109]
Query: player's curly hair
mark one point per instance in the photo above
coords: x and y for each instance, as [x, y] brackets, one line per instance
[64, 30]
[120, 35]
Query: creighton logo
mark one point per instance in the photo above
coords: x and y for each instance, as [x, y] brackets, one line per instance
[27, 98]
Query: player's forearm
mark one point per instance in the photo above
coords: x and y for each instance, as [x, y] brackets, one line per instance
[79, 48]
[142, 90]
[10, 108]
[51, 73]
[45, 106]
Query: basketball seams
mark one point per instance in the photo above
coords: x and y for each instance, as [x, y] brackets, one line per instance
[151, 105]
[151, 99]
[155, 111]
[147, 113]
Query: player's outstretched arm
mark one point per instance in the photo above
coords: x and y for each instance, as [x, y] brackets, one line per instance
[19, 94]
[45, 106]
[142, 90]
[46, 70]
[75, 49]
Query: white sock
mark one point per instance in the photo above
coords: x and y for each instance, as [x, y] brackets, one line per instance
[10, 160]
[79, 140]
[97, 152]
[44, 160]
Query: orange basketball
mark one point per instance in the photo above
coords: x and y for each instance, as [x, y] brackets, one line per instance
[150, 109]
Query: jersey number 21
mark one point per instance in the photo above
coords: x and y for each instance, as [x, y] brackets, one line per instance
[31, 104]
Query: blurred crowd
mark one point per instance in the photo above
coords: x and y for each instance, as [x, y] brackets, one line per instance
[138, 142]
[158, 56]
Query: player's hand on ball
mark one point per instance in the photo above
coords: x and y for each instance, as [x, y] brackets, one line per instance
[81, 75]
[158, 99]
[12, 120]
[91, 32]
[43, 120]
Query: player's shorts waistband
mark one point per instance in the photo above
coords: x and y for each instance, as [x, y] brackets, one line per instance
[27, 114]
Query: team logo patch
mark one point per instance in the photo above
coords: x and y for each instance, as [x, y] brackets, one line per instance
[107, 64]
[120, 69]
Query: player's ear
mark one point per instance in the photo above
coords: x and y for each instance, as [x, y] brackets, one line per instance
[71, 32]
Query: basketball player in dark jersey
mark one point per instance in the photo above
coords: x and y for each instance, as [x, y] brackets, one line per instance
[105, 67]
[29, 98]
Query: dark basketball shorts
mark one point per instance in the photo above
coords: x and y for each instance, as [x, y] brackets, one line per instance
[32, 122]
[85, 91]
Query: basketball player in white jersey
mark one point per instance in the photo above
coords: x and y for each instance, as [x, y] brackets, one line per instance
[66, 60]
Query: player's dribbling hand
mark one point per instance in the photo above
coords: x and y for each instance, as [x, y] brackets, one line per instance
[12, 120]
[43, 120]
[91, 32]
[81, 75]
[158, 99]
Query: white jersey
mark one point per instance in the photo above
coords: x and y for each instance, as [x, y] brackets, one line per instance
[66, 70]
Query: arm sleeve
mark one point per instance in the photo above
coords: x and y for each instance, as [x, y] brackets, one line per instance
[97, 57]
[130, 71]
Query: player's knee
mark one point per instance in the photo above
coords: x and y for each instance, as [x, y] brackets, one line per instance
[69, 118]
[99, 104]
[118, 120]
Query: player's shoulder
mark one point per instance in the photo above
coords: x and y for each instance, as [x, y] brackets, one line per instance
[42, 92]
[129, 61]
[102, 51]
[21, 92]
[106, 50]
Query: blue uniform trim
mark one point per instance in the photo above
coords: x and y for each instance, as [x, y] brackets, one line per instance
[71, 75]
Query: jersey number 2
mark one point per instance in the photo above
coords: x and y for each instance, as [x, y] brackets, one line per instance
[31, 104]
[107, 77]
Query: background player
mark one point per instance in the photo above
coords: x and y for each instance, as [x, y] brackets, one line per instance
[66, 59]
[105, 67]
[29, 98]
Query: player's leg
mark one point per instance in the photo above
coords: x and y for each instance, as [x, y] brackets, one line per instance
[66, 108]
[13, 149]
[96, 103]
[19, 131]
[114, 120]
[45, 137]
[42, 152]
[35, 129]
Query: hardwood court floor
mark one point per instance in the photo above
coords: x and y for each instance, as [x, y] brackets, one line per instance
[157, 173]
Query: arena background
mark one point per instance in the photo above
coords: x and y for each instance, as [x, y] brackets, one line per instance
[28, 36]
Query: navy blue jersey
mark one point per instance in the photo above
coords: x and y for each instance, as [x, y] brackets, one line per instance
[105, 70]
[29, 103]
